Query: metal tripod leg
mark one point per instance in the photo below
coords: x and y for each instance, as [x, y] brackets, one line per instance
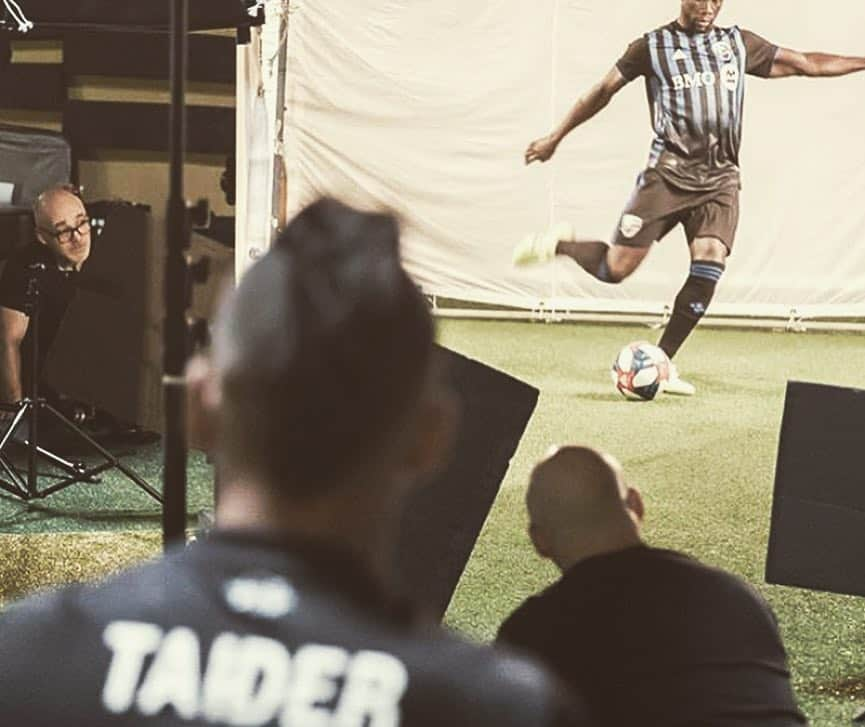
[77, 472]
[72, 468]
[16, 420]
[57, 459]
[19, 486]
[110, 458]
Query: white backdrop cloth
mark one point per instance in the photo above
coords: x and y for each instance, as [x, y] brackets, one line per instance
[426, 107]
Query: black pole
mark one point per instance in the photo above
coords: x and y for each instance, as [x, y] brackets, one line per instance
[33, 291]
[175, 343]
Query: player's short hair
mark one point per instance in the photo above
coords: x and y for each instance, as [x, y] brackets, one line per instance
[322, 350]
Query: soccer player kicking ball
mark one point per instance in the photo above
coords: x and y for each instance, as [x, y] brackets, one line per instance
[695, 82]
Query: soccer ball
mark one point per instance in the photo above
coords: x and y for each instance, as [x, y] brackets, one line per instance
[639, 370]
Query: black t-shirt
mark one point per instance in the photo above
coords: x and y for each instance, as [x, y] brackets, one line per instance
[239, 629]
[653, 637]
[56, 290]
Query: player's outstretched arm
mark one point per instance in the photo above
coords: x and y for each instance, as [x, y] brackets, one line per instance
[586, 107]
[793, 63]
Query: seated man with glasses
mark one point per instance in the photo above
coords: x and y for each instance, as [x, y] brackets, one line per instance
[52, 261]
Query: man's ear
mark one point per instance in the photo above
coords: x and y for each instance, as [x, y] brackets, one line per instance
[203, 402]
[634, 503]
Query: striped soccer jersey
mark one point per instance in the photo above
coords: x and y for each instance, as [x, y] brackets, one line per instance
[695, 83]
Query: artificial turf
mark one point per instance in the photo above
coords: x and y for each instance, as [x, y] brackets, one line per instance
[705, 466]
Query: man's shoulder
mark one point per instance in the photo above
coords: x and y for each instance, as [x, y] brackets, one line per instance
[180, 588]
[670, 560]
[55, 608]
[452, 660]
[641, 42]
[35, 611]
[636, 566]
[17, 261]
[681, 570]
[167, 608]
[540, 619]
[17, 266]
[30, 631]
[660, 30]
[28, 254]
[732, 32]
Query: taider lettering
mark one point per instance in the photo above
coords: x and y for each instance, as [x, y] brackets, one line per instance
[249, 680]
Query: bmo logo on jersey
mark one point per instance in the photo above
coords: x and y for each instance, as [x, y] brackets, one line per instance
[694, 80]
[729, 79]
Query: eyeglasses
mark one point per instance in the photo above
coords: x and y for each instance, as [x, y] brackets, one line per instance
[67, 235]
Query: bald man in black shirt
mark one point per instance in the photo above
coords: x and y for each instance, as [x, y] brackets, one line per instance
[323, 407]
[649, 637]
[45, 271]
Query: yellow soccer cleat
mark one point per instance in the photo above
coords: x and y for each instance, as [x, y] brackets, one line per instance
[541, 247]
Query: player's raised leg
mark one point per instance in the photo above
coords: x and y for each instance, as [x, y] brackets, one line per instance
[651, 212]
[607, 263]
[611, 265]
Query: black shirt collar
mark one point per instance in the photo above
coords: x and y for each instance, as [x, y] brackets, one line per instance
[42, 254]
[601, 559]
[323, 563]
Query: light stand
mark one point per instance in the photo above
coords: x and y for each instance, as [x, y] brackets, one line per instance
[179, 276]
[31, 409]
[174, 355]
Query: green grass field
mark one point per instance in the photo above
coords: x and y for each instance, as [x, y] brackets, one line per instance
[705, 467]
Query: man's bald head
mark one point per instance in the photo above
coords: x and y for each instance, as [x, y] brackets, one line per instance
[62, 225]
[49, 199]
[575, 484]
[577, 498]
